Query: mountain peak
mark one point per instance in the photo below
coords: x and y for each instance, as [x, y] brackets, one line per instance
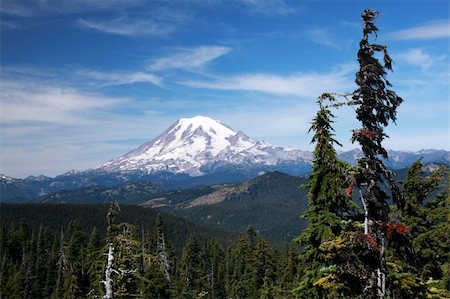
[192, 144]
[201, 120]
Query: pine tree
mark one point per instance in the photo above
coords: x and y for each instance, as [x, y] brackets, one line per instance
[416, 190]
[192, 276]
[126, 260]
[426, 213]
[432, 246]
[52, 270]
[214, 269]
[108, 280]
[75, 279]
[161, 247]
[327, 204]
[403, 263]
[288, 271]
[94, 263]
[241, 286]
[157, 267]
[376, 108]
[61, 267]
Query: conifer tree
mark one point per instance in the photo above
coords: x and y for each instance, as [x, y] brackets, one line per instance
[214, 269]
[432, 246]
[426, 214]
[126, 259]
[108, 280]
[61, 266]
[161, 247]
[75, 280]
[94, 263]
[52, 270]
[416, 190]
[288, 271]
[192, 276]
[241, 286]
[376, 108]
[327, 204]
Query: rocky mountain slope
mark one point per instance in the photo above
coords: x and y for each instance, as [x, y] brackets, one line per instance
[200, 145]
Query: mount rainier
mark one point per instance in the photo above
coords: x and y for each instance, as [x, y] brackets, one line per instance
[201, 145]
[191, 152]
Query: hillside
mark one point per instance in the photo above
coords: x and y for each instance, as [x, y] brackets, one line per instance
[272, 203]
[57, 217]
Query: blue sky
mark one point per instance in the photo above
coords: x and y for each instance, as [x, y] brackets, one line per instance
[83, 81]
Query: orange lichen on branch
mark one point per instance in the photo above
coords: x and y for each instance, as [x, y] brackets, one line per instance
[365, 133]
[349, 190]
[398, 228]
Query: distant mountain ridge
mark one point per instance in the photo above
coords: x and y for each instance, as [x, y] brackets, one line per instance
[200, 145]
[191, 152]
[128, 193]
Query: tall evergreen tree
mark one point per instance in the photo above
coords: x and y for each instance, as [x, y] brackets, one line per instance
[95, 250]
[75, 279]
[425, 210]
[61, 266]
[241, 285]
[376, 108]
[127, 260]
[417, 189]
[327, 204]
[192, 277]
[161, 247]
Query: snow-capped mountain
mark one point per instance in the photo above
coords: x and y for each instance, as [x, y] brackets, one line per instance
[402, 159]
[194, 145]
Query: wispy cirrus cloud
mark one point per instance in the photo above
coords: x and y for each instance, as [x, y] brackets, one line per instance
[28, 102]
[434, 30]
[419, 58]
[129, 26]
[322, 36]
[269, 7]
[119, 77]
[25, 8]
[309, 85]
[51, 120]
[189, 58]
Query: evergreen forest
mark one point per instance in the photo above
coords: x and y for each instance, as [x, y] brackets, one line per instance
[367, 235]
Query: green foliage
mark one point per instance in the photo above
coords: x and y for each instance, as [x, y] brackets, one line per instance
[428, 218]
[327, 205]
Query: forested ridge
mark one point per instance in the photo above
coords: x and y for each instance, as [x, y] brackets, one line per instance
[66, 257]
[368, 235]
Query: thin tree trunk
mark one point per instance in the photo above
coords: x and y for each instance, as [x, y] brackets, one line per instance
[366, 214]
[108, 273]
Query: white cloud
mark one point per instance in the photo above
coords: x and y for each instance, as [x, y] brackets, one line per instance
[189, 58]
[323, 37]
[269, 7]
[31, 102]
[26, 8]
[418, 57]
[435, 30]
[120, 78]
[129, 27]
[309, 85]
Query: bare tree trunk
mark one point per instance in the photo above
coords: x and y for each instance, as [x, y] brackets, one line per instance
[108, 273]
[381, 276]
[162, 255]
[366, 214]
